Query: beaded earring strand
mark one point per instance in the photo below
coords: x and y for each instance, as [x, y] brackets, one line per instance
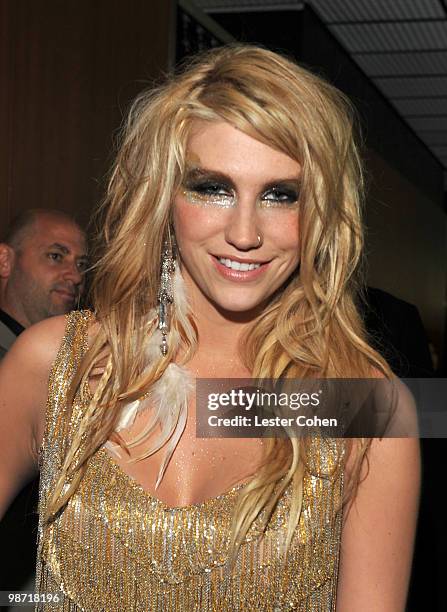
[165, 297]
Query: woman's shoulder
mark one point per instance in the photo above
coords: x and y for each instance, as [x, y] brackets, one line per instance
[394, 399]
[27, 368]
[38, 346]
[24, 376]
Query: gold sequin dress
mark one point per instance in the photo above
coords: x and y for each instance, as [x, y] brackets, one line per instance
[116, 548]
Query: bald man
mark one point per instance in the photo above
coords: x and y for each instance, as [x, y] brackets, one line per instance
[42, 262]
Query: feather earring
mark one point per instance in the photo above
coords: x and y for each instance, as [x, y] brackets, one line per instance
[168, 397]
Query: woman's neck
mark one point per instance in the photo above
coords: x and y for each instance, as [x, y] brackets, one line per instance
[219, 333]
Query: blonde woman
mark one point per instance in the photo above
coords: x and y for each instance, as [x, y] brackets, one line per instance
[240, 181]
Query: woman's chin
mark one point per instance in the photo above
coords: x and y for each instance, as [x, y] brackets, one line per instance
[239, 310]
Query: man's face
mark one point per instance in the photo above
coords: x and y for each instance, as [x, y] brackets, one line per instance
[47, 271]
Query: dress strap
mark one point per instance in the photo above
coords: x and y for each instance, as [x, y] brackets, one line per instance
[73, 347]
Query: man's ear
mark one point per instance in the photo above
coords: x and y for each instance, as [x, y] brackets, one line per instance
[7, 257]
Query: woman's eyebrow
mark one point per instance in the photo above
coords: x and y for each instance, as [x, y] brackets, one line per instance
[194, 171]
[290, 182]
[197, 173]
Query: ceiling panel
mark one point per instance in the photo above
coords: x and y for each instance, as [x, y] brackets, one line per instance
[396, 64]
[413, 87]
[434, 138]
[392, 36]
[372, 10]
[428, 124]
[422, 106]
[342, 10]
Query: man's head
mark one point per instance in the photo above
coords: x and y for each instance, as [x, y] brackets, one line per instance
[42, 262]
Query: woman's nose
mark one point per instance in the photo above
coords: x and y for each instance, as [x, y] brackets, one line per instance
[243, 230]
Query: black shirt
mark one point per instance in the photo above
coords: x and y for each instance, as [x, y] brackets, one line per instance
[18, 529]
[13, 325]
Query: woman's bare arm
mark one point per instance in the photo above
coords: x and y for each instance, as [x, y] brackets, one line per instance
[379, 526]
[24, 376]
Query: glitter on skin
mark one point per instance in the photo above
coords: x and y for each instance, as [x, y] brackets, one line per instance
[222, 201]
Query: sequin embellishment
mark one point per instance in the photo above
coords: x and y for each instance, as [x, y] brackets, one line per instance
[115, 547]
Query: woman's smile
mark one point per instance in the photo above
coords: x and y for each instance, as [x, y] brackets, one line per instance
[239, 270]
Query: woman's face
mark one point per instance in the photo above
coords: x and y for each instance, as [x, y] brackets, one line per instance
[236, 218]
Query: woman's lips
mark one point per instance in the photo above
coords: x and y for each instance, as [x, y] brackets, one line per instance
[239, 275]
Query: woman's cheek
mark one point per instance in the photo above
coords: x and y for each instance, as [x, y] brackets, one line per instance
[195, 221]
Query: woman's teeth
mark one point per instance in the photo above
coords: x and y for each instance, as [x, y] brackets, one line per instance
[237, 265]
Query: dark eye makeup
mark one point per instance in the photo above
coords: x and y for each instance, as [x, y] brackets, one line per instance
[202, 187]
[208, 187]
[280, 194]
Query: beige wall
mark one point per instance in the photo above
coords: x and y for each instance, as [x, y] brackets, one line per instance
[407, 244]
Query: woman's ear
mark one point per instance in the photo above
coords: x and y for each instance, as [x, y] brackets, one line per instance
[7, 257]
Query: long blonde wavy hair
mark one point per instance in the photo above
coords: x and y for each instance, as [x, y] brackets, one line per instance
[311, 330]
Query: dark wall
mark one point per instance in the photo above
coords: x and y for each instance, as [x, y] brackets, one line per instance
[67, 72]
[406, 244]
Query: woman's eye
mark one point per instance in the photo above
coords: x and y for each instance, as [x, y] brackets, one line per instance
[209, 193]
[211, 188]
[279, 196]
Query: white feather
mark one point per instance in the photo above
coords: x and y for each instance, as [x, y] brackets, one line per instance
[171, 393]
[128, 414]
[180, 296]
[113, 448]
[152, 350]
[168, 397]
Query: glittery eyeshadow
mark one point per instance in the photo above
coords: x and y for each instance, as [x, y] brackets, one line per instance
[203, 199]
[283, 205]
